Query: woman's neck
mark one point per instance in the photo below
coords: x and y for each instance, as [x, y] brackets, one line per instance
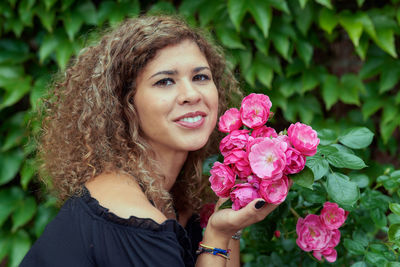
[171, 163]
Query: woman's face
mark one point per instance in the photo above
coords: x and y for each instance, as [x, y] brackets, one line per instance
[176, 99]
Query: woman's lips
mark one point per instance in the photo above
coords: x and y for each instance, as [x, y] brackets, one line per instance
[191, 120]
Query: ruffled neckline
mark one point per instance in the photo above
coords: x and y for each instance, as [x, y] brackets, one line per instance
[170, 225]
[143, 223]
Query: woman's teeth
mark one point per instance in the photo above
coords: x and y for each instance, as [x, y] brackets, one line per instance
[191, 119]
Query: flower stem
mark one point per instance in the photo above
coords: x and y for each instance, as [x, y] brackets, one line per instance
[294, 213]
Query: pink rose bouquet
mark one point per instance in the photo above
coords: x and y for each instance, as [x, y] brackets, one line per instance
[257, 160]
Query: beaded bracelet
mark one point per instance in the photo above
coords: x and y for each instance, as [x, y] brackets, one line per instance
[212, 250]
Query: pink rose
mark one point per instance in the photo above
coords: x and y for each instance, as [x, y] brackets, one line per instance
[332, 216]
[255, 110]
[205, 213]
[274, 192]
[230, 121]
[312, 233]
[284, 141]
[254, 181]
[330, 254]
[264, 131]
[222, 179]
[295, 161]
[242, 194]
[267, 160]
[239, 162]
[237, 139]
[303, 138]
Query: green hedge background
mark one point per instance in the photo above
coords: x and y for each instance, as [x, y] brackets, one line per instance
[329, 63]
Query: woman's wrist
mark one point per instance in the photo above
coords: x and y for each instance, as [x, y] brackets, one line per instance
[215, 239]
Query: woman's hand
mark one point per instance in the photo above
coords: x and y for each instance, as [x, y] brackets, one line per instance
[226, 222]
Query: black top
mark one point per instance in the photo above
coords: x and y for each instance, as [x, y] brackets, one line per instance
[86, 234]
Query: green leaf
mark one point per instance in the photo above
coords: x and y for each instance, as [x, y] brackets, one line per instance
[305, 178]
[353, 247]
[371, 106]
[9, 198]
[330, 92]
[360, 3]
[16, 91]
[350, 87]
[359, 264]
[10, 163]
[395, 175]
[362, 47]
[13, 51]
[341, 190]
[208, 12]
[394, 233]
[49, 45]
[304, 17]
[395, 208]
[385, 40]
[309, 81]
[38, 90]
[226, 205]
[327, 137]
[303, 3]
[360, 237]
[326, 3]
[305, 51]
[318, 165]
[49, 3]
[345, 160]
[4, 245]
[361, 180]
[27, 172]
[72, 23]
[388, 129]
[352, 25]
[389, 78]
[357, 137]
[23, 212]
[45, 213]
[63, 53]
[46, 17]
[237, 10]
[20, 246]
[281, 44]
[280, 5]
[377, 259]
[389, 113]
[88, 13]
[262, 14]
[378, 217]
[328, 20]
[162, 7]
[229, 37]
[392, 264]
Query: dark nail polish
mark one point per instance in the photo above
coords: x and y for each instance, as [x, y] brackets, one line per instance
[260, 204]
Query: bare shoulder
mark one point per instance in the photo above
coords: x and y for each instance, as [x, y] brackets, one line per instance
[123, 197]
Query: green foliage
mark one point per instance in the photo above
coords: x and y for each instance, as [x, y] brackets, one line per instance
[331, 64]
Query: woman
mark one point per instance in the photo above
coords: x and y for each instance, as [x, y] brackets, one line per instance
[124, 139]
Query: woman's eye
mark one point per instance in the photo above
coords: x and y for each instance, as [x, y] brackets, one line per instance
[164, 82]
[201, 77]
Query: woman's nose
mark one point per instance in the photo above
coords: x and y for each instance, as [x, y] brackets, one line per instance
[188, 93]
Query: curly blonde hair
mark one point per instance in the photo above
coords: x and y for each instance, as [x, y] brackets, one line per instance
[91, 126]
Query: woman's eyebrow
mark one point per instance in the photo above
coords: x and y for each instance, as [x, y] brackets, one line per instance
[198, 69]
[174, 72]
[165, 72]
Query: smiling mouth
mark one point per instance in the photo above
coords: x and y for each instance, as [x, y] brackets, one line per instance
[191, 119]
